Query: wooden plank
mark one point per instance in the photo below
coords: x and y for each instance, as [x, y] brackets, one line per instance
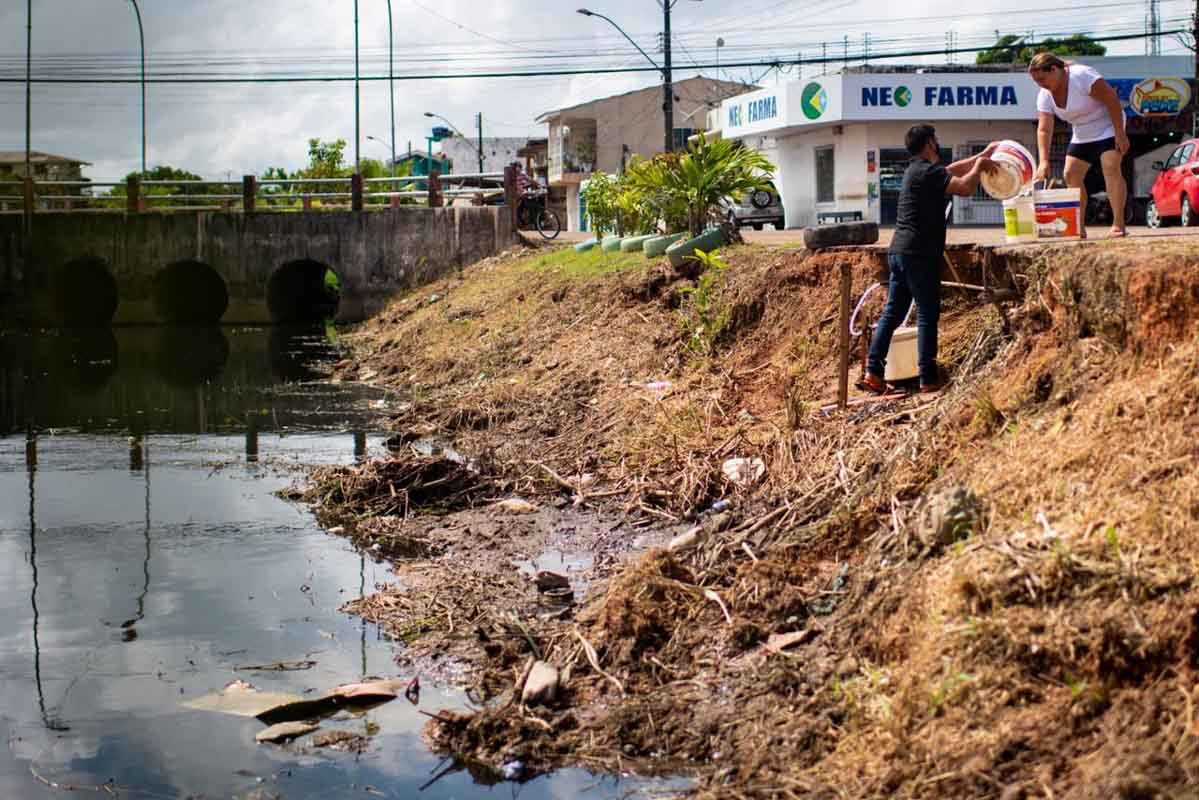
[843, 379]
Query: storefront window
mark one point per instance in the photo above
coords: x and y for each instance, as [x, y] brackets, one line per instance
[824, 175]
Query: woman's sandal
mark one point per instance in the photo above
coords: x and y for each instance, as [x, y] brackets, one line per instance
[1116, 233]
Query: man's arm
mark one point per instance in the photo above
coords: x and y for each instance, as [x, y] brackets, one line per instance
[965, 185]
[1102, 91]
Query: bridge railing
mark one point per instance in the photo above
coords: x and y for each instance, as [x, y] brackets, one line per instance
[254, 195]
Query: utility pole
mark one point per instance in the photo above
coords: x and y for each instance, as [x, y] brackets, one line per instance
[391, 86]
[28, 80]
[480, 118]
[667, 83]
[357, 110]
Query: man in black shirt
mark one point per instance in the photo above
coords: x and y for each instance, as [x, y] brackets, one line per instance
[917, 249]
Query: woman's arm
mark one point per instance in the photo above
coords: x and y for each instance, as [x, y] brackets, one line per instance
[1102, 91]
[1044, 137]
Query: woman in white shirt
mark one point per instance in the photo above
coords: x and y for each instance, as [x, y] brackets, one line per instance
[1079, 95]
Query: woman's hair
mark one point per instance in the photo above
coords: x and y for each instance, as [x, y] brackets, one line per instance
[1046, 60]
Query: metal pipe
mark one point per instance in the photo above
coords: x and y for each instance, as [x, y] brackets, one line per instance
[142, 39]
[667, 82]
[480, 141]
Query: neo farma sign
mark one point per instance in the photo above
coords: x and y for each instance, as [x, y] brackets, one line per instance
[953, 95]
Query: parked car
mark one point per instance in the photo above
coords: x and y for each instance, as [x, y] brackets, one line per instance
[1175, 193]
[760, 208]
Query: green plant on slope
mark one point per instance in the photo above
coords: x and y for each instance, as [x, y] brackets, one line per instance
[709, 172]
[663, 206]
[703, 316]
[600, 195]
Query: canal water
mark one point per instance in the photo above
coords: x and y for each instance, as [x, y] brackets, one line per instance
[146, 561]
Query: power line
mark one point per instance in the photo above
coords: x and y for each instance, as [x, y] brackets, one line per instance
[223, 79]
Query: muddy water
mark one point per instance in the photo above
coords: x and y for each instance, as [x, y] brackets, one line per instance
[145, 561]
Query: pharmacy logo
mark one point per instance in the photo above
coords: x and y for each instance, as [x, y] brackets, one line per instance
[903, 96]
[814, 101]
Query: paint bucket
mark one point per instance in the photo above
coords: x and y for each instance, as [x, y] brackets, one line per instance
[903, 360]
[1059, 213]
[1014, 170]
[1020, 219]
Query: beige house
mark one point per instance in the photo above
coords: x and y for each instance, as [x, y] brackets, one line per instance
[603, 134]
[46, 166]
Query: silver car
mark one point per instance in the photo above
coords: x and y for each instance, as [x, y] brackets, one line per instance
[760, 208]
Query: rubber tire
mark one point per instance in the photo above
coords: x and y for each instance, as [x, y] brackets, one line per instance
[680, 252]
[635, 244]
[1186, 217]
[583, 247]
[840, 235]
[656, 247]
[611, 244]
[1152, 218]
[760, 199]
[759, 226]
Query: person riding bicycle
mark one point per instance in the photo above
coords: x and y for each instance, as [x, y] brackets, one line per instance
[526, 186]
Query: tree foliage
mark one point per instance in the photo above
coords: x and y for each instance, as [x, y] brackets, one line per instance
[600, 195]
[1010, 49]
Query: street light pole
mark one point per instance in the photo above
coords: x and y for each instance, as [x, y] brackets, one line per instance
[357, 115]
[391, 75]
[28, 81]
[141, 36]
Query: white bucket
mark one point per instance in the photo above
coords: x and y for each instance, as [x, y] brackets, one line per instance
[1014, 171]
[1020, 219]
[1059, 213]
[903, 360]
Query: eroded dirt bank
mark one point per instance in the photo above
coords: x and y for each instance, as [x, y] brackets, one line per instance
[989, 593]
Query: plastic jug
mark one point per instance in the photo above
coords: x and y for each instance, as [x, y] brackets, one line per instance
[1059, 213]
[1020, 219]
[1013, 173]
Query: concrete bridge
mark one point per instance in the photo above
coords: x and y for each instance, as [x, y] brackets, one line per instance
[209, 266]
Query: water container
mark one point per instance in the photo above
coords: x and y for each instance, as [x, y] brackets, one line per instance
[1020, 219]
[1014, 171]
[903, 360]
[1059, 213]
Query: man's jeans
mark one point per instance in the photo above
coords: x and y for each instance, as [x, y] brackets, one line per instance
[915, 278]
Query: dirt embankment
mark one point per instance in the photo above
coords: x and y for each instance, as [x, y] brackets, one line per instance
[986, 594]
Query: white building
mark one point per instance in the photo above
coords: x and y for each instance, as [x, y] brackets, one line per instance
[498, 152]
[838, 140]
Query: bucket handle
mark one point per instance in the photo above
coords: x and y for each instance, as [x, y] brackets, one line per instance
[854, 331]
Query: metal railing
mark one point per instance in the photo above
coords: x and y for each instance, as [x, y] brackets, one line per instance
[255, 195]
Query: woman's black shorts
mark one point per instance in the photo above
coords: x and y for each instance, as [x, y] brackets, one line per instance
[1091, 152]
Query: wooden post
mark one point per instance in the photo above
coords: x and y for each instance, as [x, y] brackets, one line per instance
[133, 194]
[843, 378]
[356, 191]
[436, 199]
[394, 201]
[249, 193]
[307, 201]
[511, 196]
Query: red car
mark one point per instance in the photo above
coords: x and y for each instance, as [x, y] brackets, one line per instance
[1175, 193]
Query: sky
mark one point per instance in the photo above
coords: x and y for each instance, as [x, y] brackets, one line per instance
[227, 130]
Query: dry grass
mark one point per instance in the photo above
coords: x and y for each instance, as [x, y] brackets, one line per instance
[820, 647]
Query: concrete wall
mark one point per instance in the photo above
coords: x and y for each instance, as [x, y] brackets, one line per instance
[375, 254]
[498, 152]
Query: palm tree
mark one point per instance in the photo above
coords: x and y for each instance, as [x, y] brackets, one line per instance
[703, 176]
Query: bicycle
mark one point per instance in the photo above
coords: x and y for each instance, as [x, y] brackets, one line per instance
[531, 212]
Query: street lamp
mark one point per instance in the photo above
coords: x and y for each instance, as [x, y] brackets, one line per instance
[667, 84]
[141, 35]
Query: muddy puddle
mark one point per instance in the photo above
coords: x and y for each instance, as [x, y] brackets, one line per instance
[147, 561]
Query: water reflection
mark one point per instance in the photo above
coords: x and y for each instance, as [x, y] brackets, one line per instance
[173, 378]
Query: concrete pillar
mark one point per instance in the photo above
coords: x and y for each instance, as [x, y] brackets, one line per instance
[356, 192]
[249, 193]
[133, 195]
[511, 197]
[436, 200]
